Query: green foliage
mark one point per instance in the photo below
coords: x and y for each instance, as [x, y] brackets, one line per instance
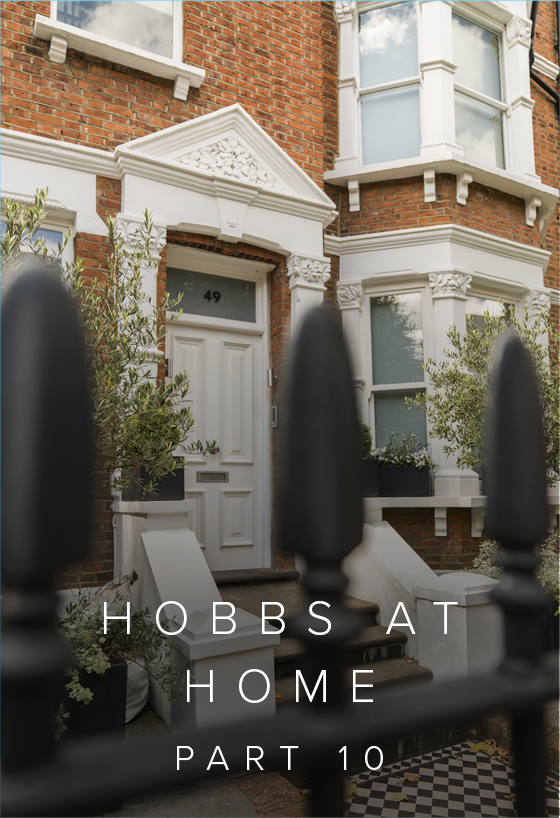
[137, 420]
[366, 440]
[95, 652]
[403, 450]
[456, 409]
[486, 562]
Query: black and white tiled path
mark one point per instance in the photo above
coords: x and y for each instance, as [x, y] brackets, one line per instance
[472, 785]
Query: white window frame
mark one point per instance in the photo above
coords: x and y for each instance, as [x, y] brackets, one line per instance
[61, 36]
[385, 86]
[177, 31]
[199, 261]
[502, 104]
[407, 386]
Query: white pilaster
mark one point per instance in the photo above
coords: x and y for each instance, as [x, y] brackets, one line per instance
[449, 293]
[437, 69]
[347, 16]
[308, 276]
[350, 300]
[521, 122]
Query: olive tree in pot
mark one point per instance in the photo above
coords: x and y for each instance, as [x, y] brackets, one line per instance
[487, 562]
[456, 406]
[404, 467]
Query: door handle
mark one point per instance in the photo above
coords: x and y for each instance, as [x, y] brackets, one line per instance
[215, 450]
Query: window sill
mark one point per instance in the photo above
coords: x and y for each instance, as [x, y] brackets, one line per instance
[62, 36]
[535, 194]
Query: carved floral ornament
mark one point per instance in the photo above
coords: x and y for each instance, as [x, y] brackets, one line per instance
[130, 233]
[229, 158]
[344, 9]
[350, 296]
[519, 29]
[536, 300]
[449, 284]
[303, 270]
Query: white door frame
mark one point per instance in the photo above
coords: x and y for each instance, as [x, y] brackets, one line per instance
[187, 258]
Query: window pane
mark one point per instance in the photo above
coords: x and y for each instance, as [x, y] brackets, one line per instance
[476, 51]
[146, 24]
[52, 238]
[476, 307]
[478, 129]
[391, 125]
[388, 44]
[218, 296]
[396, 338]
[392, 414]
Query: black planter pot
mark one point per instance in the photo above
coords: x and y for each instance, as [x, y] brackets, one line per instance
[106, 712]
[170, 487]
[404, 481]
[370, 478]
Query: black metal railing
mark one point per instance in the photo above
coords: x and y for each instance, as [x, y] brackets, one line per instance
[46, 496]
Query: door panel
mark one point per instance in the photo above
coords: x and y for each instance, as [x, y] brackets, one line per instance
[228, 397]
[237, 403]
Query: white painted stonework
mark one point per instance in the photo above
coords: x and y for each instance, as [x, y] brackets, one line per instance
[384, 569]
[155, 540]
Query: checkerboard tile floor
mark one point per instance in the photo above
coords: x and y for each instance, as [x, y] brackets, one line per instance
[472, 785]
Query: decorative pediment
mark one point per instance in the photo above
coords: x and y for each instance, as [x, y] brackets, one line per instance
[226, 144]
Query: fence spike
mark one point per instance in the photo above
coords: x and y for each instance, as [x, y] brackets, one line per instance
[517, 518]
[46, 463]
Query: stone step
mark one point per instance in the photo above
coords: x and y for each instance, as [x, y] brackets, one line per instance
[371, 645]
[250, 575]
[389, 672]
[249, 597]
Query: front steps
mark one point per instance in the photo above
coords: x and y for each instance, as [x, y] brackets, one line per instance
[372, 649]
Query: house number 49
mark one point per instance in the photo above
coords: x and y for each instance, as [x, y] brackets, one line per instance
[215, 295]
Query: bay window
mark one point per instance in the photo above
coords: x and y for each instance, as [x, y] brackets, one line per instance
[397, 355]
[389, 83]
[429, 88]
[479, 98]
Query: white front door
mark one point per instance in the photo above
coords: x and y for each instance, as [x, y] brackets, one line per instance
[228, 395]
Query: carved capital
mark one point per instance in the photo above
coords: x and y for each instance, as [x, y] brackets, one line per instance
[350, 296]
[345, 10]
[449, 285]
[130, 232]
[519, 31]
[308, 271]
[535, 301]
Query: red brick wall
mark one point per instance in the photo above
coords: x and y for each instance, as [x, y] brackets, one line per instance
[451, 553]
[399, 205]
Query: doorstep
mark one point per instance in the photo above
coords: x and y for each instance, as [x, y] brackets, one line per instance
[247, 575]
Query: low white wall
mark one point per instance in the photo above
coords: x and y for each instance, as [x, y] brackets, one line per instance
[386, 570]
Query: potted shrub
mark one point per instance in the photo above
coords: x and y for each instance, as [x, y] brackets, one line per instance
[96, 693]
[486, 562]
[456, 406]
[370, 467]
[404, 468]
